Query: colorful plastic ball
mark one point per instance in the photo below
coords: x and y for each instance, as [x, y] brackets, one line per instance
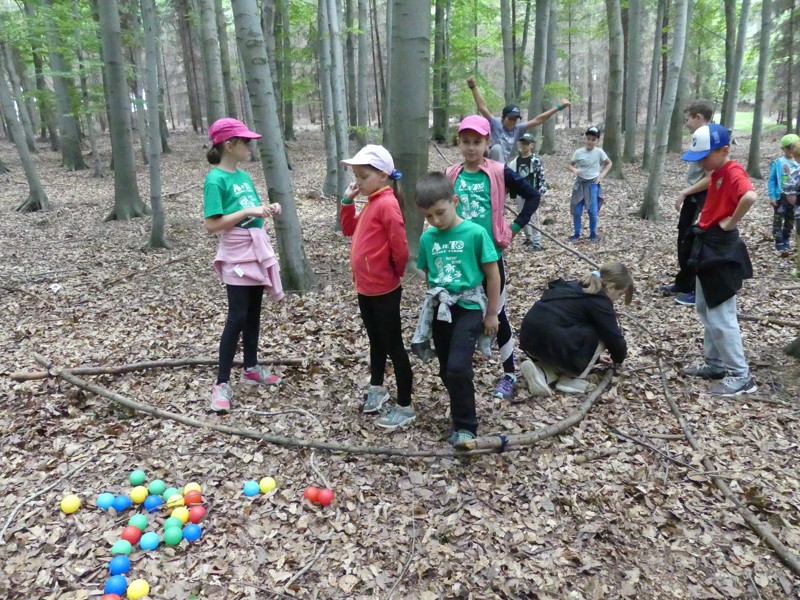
[121, 503]
[192, 532]
[192, 486]
[182, 513]
[152, 503]
[311, 494]
[192, 498]
[266, 485]
[138, 494]
[149, 541]
[172, 523]
[197, 514]
[137, 478]
[138, 588]
[173, 536]
[251, 488]
[138, 521]
[105, 500]
[70, 504]
[157, 487]
[325, 497]
[116, 584]
[131, 533]
[170, 492]
[121, 547]
[175, 501]
[119, 565]
[111, 597]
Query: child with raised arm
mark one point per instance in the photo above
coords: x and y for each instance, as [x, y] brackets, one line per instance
[245, 260]
[720, 259]
[458, 259]
[590, 165]
[783, 212]
[481, 185]
[378, 257]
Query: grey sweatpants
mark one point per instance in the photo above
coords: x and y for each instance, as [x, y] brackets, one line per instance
[722, 338]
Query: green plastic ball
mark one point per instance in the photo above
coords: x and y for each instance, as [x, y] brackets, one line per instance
[121, 547]
[156, 487]
[139, 521]
[173, 522]
[173, 536]
[137, 478]
[170, 492]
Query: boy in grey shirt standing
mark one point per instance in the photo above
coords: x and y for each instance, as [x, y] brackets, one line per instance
[590, 164]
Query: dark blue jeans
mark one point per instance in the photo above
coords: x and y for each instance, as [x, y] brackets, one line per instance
[592, 208]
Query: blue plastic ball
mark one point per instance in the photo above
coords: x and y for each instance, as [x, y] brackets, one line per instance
[149, 541]
[251, 488]
[122, 503]
[192, 532]
[105, 501]
[152, 503]
[119, 565]
[116, 585]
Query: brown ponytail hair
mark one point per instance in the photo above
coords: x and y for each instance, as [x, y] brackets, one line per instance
[615, 274]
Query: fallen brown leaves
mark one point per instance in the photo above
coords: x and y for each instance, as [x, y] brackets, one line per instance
[534, 524]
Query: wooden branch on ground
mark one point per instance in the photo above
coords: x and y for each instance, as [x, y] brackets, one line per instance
[480, 446]
[307, 566]
[137, 273]
[768, 320]
[183, 191]
[17, 290]
[590, 455]
[785, 554]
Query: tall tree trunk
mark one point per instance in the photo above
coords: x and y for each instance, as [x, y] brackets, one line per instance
[411, 49]
[676, 124]
[270, 25]
[139, 116]
[549, 127]
[790, 77]
[590, 88]
[508, 52]
[28, 89]
[730, 54]
[632, 78]
[613, 125]
[215, 97]
[225, 59]
[97, 165]
[375, 76]
[127, 201]
[296, 272]
[71, 156]
[47, 112]
[624, 9]
[37, 199]
[158, 237]
[22, 109]
[287, 90]
[163, 91]
[338, 94]
[754, 156]
[185, 29]
[377, 33]
[247, 108]
[440, 124]
[540, 50]
[652, 94]
[649, 207]
[350, 64]
[330, 185]
[738, 61]
[361, 78]
[521, 52]
[387, 93]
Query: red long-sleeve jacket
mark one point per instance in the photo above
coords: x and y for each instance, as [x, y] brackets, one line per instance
[379, 250]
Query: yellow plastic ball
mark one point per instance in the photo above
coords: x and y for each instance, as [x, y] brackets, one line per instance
[266, 485]
[191, 486]
[138, 494]
[69, 504]
[138, 588]
[175, 501]
[182, 513]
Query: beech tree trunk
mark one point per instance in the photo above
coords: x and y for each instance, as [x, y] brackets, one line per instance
[508, 52]
[521, 52]
[47, 112]
[754, 156]
[632, 78]
[287, 90]
[738, 61]
[612, 144]
[676, 125]
[361, 77]
[215, 96]
[225, 59]
[16, 93]
[549, 126]
[338, 94]
[652, 94]
[540, 49]
[296, 272]
[439, 66]
[190, 70]
[730, 53]
[330, 185]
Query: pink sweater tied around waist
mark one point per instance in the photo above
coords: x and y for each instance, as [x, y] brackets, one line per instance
[246, 257]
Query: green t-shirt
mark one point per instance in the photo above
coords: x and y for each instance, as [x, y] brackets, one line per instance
[225, 193]
[475, 203]
[453, 257]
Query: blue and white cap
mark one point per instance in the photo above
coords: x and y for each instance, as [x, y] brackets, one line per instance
[705, 139]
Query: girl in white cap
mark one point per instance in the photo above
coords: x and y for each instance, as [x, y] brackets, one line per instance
[378, 257]
[245, 260]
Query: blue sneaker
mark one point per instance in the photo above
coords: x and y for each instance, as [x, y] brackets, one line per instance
[574, 237]
[687, 299]
[594, 238]
[505, 387]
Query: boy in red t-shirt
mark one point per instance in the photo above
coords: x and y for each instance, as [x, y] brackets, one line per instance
[721, 262]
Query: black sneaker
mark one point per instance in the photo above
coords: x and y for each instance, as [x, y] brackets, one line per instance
[704, 371]
[669, 290]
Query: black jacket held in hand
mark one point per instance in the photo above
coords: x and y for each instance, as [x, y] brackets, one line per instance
[564, 327]
[721, 261]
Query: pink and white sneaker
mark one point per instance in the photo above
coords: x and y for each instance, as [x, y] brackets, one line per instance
[221, 397]
[260, 375]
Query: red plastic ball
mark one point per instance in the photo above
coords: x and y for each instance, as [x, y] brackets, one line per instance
[325, 497]
[311, 494]
[197, 514]
[111, 597]
[131, 534]
[192, 498]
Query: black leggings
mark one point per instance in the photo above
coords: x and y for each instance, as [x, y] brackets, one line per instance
[505, 335]
[381, 316]
[691, 208]
[244, 318]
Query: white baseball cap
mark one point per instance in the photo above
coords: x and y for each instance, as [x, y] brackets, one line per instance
[374, 156]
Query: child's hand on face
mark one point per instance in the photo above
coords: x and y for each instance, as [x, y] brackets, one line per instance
[351, 192]
[490, 325]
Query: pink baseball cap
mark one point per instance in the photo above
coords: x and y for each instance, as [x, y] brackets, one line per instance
[374, 156]
[225, 129]
[475, 123]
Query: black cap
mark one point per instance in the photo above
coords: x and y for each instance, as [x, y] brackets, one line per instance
[593, 131]
[527, 138]
[512, 110]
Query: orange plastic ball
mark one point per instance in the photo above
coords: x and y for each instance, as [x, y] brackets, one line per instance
[193, 497]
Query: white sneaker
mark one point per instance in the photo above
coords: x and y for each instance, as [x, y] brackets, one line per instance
[536, 379]
[571, 385]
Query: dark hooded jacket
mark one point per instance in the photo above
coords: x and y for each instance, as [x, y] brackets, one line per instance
[564, 327]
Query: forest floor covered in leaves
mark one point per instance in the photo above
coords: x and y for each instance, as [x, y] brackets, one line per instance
[541, 522]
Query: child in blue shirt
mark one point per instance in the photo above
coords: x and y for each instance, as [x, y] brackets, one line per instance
[783, 215]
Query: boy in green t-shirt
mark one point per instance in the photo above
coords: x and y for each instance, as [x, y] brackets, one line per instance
[456, 256]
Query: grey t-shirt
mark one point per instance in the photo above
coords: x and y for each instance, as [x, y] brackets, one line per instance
[694, 173]
[507, 139]
[589, 161]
